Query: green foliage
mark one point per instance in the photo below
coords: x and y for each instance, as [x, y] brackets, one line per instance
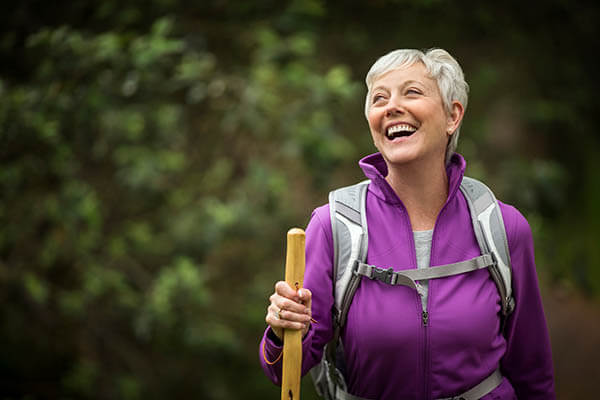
[152, 157]
[134, 205]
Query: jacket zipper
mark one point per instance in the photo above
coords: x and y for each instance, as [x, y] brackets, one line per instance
[425, 325]
[425, 322]
[425, 311]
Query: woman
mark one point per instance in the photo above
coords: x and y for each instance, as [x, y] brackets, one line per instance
[417, 217]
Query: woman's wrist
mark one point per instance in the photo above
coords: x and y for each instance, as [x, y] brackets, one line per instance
[272, 336]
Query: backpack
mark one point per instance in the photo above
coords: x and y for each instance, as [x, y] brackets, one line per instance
[350, 242]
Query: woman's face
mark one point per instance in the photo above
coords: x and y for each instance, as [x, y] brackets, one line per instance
[407, 117]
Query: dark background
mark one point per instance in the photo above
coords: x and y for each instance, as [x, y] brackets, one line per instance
[154, 153]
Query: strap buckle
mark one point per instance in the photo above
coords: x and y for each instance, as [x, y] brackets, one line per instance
[384, 275]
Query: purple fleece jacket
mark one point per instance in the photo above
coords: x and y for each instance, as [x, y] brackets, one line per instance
[390, 352]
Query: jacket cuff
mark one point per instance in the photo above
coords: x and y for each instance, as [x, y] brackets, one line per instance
[273, 343]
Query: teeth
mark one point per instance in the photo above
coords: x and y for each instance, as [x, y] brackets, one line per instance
[400, 128]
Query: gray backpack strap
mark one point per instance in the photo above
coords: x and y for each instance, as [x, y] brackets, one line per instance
[410, 277]
[350, 241]
[491, 236]
[477, 392]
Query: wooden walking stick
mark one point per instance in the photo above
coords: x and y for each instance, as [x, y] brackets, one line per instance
[292, 339]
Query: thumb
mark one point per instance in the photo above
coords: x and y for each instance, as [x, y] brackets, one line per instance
[305, 296]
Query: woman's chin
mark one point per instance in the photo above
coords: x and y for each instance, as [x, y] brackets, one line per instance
[408, 156]
[398, 157]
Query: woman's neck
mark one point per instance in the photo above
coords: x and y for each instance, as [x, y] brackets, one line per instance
[423, 192]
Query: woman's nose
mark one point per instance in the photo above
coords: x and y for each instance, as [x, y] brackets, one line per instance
[393, 108]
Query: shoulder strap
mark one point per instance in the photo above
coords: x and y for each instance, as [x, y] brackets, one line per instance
[347, 207]
[491, 236]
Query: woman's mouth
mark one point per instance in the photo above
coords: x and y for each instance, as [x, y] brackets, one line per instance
[400, 130]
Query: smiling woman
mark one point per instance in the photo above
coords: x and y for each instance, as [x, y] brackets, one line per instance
[440, 67]
[408, 119]
[444, 335]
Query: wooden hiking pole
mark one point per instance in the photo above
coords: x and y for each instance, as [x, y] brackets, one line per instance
[292, 339]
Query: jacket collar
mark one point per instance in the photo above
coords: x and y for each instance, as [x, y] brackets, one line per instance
[375, 169]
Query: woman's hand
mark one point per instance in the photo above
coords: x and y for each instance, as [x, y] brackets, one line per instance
[289, 309]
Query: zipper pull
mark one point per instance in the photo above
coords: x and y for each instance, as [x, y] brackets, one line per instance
[425, 316]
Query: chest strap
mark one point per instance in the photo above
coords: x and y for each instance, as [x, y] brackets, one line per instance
[475, 393]
[410, 276]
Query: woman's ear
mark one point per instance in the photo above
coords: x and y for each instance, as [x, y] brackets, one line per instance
[455, 116]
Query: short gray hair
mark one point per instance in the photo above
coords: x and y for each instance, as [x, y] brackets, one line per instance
[440, 65]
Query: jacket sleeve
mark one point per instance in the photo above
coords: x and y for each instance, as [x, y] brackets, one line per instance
[318, 279]
[527, 362]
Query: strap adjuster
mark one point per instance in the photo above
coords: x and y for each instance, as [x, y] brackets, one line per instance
[384, 275]
[388, 276]
[355, 265]
[494, 258]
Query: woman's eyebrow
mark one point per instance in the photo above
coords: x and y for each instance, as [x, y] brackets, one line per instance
[402, 85]
[380, 87]
[412, 82]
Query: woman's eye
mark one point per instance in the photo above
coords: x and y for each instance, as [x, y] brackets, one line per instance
[377, 97]
[413, 91]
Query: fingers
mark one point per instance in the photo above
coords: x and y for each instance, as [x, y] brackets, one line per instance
[290, 300]
[282, 288]
[280, 319]
[289, 309]
[306, 299]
